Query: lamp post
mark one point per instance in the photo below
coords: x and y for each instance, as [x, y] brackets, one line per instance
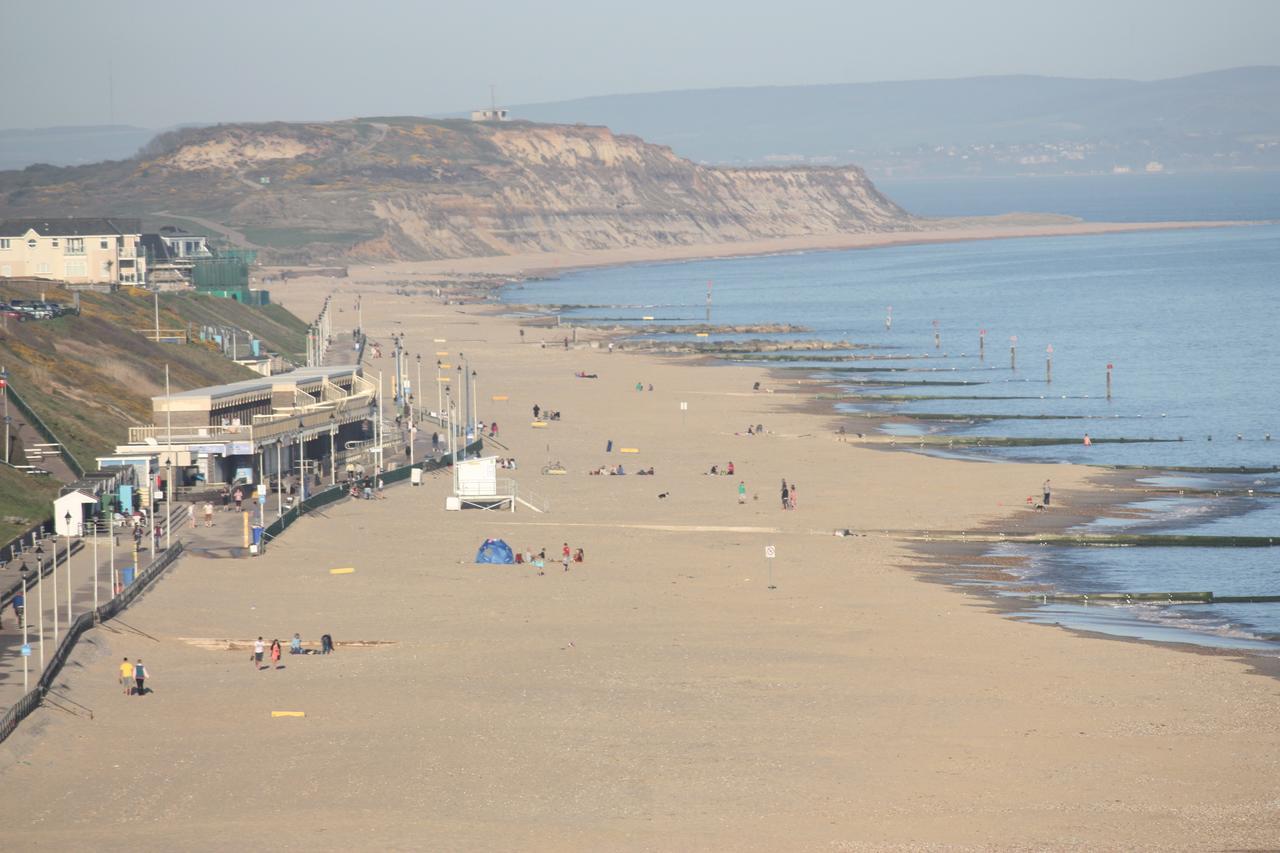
[55, 589]
[40, 600]
[461, 403]
[302, 463]
[95, 565]
[4, 392]
[378, 428]
[475, 417]
[26, 649]
[67, 518]
[279, 478]
[168, 486]
[419, 360]
[413, 430]
[333, 450]
[439, 394]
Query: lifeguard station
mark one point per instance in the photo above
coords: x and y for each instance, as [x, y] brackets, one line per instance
[477, 484]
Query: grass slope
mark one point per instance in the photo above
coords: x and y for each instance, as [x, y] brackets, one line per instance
[90, 377]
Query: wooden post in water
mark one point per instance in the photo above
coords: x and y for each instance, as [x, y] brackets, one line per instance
[1109, 366]
[1048, 365]
[1013, 352]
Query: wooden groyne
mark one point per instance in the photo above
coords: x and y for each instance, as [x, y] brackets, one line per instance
[1155, 598]
[1099, 540]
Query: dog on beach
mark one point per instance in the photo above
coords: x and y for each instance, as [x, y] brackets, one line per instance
[662, 495]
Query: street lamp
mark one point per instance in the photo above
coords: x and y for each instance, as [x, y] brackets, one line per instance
[40, 600]
[413, 429]
[462, 402]
[333, 450]
[279, 478]
[419, 359]
[4, 392]
[67, 518]
[302, 463]
[439, 394]
[475, 418]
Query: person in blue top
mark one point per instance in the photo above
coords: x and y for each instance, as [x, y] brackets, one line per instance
[295, 645]
[19, 606]
[139, 676]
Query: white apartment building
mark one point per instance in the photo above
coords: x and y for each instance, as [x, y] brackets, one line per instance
[77, 251]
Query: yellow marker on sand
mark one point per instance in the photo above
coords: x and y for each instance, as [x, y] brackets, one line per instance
[346, 571]
[499, 398]
[288, 713]
[628, 450]
[539, 424]
[442, 352]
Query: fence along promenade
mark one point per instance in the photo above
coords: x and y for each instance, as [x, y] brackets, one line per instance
[33, 699]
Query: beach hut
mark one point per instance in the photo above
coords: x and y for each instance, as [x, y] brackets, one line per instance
[495, 551]
[79, 505]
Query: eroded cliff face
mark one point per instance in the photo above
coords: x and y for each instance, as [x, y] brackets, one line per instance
[411, 189]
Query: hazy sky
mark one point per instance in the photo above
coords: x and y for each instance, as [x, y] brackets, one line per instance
[230, 60]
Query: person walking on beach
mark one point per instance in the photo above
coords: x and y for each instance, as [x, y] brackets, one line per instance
[275, 652]
[564, 556]
[208, 514]
[139, 677]
[1046, 492]
[793, 495]
[195, 515]
[742, 491]
[786, 496]
[259, 648]
[536, 409]
[126, 677]
[435, 443]
[239, 498]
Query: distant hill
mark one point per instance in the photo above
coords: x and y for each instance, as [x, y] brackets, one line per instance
[70, 146]
[413, 188]
[979, 125]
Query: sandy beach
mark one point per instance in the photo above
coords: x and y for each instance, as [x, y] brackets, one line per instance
[1006, 227]
[659, 695]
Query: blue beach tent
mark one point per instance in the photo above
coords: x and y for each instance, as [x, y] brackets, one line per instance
[495, 551]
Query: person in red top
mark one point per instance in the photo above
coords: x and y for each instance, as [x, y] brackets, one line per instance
[564, 556]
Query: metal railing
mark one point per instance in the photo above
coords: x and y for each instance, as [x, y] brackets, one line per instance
[44, 430]
[28, 703]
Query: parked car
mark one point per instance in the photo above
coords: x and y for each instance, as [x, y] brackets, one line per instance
[9, 312]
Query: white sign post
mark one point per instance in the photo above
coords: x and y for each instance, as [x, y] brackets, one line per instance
[769, 553]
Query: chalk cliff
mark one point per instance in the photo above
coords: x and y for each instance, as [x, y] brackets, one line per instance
[406, 188]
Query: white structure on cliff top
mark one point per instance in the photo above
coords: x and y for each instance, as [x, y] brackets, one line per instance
[491, 114]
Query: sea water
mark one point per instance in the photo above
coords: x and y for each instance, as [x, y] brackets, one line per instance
[1186, 319]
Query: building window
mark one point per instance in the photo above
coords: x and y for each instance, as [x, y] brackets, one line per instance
[102, 244]
[75, 245]
[76, 269]
[31, 244]
[55, 242]
[4, 242]
[42, 269]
